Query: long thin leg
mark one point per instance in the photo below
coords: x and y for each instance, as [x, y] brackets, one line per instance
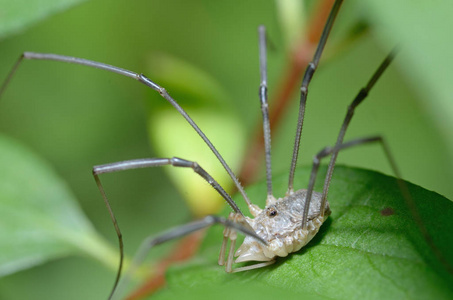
[174, 161]
[254, 266]
[229, 234]
[363, 93]
[265, 111]
[141, 78]
[146, 163]
[331, 150]
[311, 68]
[174, 233]
[401, 183]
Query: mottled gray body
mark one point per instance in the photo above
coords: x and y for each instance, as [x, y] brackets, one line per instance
[280, 225]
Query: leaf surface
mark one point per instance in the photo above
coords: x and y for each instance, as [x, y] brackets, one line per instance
[18, 14]
[39, 217]
[370, 247]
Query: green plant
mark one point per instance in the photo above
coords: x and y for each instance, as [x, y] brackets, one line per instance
[76, 118]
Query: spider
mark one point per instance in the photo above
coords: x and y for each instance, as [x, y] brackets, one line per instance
[286, 224]
[255, 245]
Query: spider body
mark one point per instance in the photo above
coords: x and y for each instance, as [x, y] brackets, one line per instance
[280, 224]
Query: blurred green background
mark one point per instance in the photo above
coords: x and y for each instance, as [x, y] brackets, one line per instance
[76, 117]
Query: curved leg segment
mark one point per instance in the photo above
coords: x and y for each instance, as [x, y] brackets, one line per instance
[363, 93]
[171, 234]
[146, 163]
[330, 151]
[139, 77]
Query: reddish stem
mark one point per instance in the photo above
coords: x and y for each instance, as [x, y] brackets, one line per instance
[184, 250]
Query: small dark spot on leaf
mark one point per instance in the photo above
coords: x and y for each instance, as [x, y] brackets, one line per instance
[388, 211]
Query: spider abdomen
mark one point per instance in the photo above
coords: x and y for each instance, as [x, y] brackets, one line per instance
[280, 224]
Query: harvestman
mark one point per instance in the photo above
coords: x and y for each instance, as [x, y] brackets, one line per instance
[286, 224]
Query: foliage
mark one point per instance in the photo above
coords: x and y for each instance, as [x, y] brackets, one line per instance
[370, 248]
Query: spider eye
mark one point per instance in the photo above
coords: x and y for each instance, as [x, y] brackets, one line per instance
[271, 212]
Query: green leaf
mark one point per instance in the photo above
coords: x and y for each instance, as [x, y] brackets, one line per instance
[369, 248]
[18, 14]
[39, 217]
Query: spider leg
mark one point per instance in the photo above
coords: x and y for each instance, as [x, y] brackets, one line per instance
[171, 234]
[139, 77]
[401, 183]
[230, 234]
[265, 112]
[363, 93]
[311, 68]
[254, 266]
[146, 163]
[331, 150]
